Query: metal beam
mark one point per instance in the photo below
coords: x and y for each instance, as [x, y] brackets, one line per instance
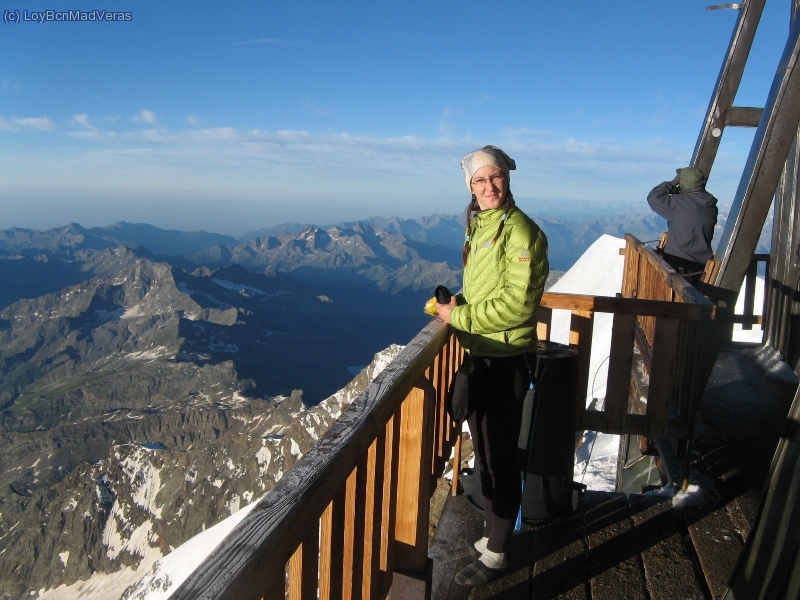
[730, 76]
[739, 116]
[762, 173]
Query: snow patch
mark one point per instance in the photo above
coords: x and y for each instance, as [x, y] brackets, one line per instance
[172, 570]
[772, 363]
[244, 290]
[146, 480]
[264, 458]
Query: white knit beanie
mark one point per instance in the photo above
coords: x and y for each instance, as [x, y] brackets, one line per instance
[486, 156]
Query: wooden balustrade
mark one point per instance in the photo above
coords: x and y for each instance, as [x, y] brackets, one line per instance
[672, 323]
[354, 509]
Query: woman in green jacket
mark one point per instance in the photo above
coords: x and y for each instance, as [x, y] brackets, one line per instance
[505, 269]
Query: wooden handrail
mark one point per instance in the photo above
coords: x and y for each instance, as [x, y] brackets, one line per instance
[628, 306]
[674, 286]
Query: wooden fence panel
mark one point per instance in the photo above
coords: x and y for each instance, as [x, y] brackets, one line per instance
[373, 519]
[390, 487]
[580, 336]
[619, 373]
[304, 568]
[331, 560]
[354, 532]
[411, 526]
[662, 377]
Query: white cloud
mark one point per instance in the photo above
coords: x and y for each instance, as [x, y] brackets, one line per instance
[320, 110]
[94, 135]
[563, 164]
[10, 87]
[82, 120]
[267, 42]
[26, 124]
[332, 175]
[155, 136]
[145, 116]
[214, 134]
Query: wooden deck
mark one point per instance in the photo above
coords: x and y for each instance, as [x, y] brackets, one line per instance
[635, 546]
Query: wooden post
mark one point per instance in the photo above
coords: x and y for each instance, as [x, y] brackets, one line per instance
[332, 550]
[437, 375]
[662, 377]
[354, 531]
[277, 589]
[456, 466]
[304, 569]
[413, 485]
[580, 336]
[544, 321]
[619, 372]
[391, 466]
[373, 519]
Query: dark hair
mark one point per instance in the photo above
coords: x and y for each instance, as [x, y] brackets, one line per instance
[472, 209]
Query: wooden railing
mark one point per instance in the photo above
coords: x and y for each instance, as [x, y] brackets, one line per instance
[657, 319]
[354, 509]
[673, 349]
[748, 317]
[669, 400]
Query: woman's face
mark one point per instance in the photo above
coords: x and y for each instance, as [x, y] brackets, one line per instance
[489, 184]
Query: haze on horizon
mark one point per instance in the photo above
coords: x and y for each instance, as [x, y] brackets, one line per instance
[198, 116]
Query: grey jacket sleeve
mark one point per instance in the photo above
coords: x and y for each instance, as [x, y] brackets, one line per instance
[660, 199]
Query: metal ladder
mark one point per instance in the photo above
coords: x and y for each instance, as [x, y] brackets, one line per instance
[777, 126]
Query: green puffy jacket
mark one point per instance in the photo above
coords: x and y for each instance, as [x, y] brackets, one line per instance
[503, 284]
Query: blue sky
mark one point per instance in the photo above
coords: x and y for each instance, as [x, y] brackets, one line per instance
[229, 118]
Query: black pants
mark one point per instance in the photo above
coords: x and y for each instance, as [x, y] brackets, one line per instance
[683, 265]
[495, 426]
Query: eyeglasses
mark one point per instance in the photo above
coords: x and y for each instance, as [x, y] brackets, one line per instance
[495, 180]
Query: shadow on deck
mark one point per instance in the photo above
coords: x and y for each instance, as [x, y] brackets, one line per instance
[638, 546]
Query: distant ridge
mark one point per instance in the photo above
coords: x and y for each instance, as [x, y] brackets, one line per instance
[161, 241]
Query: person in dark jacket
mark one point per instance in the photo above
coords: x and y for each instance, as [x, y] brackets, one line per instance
[691, 213]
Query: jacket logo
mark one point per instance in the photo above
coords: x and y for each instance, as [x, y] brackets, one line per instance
[524, 256]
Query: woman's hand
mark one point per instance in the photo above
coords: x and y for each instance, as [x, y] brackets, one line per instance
[444, 310]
